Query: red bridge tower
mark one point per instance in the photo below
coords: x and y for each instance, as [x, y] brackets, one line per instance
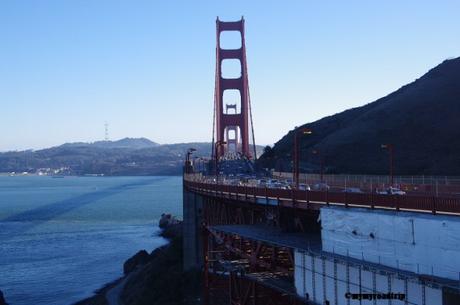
[232, 127]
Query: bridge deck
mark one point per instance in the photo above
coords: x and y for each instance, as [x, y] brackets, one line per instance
[311, 244]
[274, 236]
[315, 199]
[273, 280]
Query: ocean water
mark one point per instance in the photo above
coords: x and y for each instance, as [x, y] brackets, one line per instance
[61, 239]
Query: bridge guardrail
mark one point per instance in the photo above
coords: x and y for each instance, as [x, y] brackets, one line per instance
[444, 205]
[434, 185]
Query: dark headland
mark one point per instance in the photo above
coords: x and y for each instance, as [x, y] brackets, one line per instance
[420, 120]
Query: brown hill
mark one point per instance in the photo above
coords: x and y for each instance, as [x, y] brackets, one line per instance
[421, 120]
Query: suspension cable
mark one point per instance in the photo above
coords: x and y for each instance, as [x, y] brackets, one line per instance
[214, 111]
[249, 99]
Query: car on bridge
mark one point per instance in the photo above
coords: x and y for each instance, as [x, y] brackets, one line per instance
[321, 187]
[355, 190]
[304, 187]
[392, 191]
[278, 185]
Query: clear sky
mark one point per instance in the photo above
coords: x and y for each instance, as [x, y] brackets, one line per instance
[147, 67]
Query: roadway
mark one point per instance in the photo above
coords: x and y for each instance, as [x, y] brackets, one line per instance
[244, 189]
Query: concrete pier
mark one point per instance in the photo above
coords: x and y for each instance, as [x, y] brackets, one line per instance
[192, 226]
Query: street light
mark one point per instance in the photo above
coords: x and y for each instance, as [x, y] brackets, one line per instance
[216, 147]
[196, 164]
[389, 147]
[321, 163]
[296, 153]
[200, 162]
[188, 164]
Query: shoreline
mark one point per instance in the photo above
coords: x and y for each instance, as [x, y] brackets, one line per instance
[84, 175]
[141, 283]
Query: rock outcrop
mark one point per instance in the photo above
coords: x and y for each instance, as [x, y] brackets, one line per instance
[162, 281]
[2, 299]
[167, 220]
[156, 278]
[140, 258]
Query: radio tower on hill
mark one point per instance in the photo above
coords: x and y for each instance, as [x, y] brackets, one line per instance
[106, 134]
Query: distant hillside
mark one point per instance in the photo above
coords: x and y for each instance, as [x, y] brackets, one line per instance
[129, 156]
[128, 143]
[421, 120]
[123, 157]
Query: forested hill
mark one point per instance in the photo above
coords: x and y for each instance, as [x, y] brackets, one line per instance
[129, 156]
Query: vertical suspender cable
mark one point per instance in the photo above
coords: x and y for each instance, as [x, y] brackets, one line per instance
[249, 98]
[215, 100]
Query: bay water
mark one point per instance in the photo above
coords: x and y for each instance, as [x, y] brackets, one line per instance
[61, 239]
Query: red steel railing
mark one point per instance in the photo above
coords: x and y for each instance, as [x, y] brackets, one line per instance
[444, 205]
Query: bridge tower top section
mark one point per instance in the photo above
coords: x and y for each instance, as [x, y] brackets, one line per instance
[231, 93]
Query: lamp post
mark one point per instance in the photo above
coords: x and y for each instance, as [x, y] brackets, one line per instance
[188, 164]
[201, 162]
[196, 163]
[202, 165]
[321, 163]
[296, 153]
[216, 147]
[389, 147]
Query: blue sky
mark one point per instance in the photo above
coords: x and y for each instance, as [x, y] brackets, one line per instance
[147, 67]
